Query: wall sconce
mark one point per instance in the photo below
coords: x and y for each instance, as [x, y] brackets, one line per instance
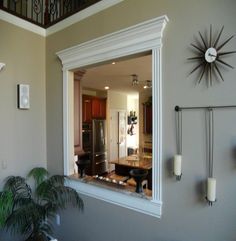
[2, 65]
[211, 181]
[178, 157]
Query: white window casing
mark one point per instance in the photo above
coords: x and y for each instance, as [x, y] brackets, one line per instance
[143, 37]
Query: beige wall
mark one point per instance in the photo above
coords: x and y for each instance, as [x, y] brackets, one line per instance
[186, 216]
[23, 132]
[117, 100]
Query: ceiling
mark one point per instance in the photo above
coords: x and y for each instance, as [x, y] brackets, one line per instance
[118, 76]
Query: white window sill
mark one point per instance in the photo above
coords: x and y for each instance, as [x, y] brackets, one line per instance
[126, 199]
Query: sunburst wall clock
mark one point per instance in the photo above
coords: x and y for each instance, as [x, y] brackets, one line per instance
[209, 56]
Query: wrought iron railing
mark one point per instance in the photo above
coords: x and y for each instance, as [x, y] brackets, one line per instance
[44, 12]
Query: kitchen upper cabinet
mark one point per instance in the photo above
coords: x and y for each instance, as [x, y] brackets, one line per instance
[103, 108]
[99, 108]
[93, 108]
[147, 118]
[87, 108]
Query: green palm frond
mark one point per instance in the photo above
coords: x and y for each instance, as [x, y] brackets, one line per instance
[6, 205]
[30, 213]
[12, 182]
[18, 186]
[28, 219]
[20, 220]
[58, 195]
[63, 195]
[39, 174]
[57, 180]
[43, 190]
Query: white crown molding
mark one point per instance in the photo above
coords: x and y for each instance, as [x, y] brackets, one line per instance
[95, 8]
[136, 39]
[19, 22]
[143, 37]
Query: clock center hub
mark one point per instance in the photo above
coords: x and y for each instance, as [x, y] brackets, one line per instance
[210, 55]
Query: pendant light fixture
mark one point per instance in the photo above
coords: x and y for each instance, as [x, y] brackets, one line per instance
[147, 84]
[134, 79]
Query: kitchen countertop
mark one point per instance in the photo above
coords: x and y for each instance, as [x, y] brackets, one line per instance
[130, 190]
[143, 162]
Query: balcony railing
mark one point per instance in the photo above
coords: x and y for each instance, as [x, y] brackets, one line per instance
[44, 13]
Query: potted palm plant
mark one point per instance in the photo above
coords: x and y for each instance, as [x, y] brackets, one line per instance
[28, 210]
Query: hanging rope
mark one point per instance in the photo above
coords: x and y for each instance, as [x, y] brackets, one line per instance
[178, 122]
[210, 140]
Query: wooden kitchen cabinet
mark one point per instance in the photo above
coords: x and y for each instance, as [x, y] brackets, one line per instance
[147, 119]
[93, 108]
[98, 108]
[87, 108]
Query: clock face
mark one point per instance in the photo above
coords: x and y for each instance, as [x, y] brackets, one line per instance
[209, 56]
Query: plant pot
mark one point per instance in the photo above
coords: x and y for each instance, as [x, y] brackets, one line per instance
[42, 238]
[51, 238]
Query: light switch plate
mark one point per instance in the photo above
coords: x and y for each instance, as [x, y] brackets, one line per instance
[23, 97]
[4, 164]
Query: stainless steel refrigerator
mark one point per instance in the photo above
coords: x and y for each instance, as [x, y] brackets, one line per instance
[99, 147]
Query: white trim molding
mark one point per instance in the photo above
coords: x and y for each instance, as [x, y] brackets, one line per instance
[140, 38]
[85, 13]
[19, 22]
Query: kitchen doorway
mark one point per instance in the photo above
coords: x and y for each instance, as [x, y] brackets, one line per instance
[117, 138]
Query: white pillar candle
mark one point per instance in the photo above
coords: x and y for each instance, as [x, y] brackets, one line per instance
[211, 189]
[177, 165]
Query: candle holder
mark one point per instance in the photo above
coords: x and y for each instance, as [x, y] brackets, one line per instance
[178, 177]
[178, 158]
[211, 181]
[210, 203]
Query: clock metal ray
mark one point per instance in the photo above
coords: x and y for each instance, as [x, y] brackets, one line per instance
[208, 56]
